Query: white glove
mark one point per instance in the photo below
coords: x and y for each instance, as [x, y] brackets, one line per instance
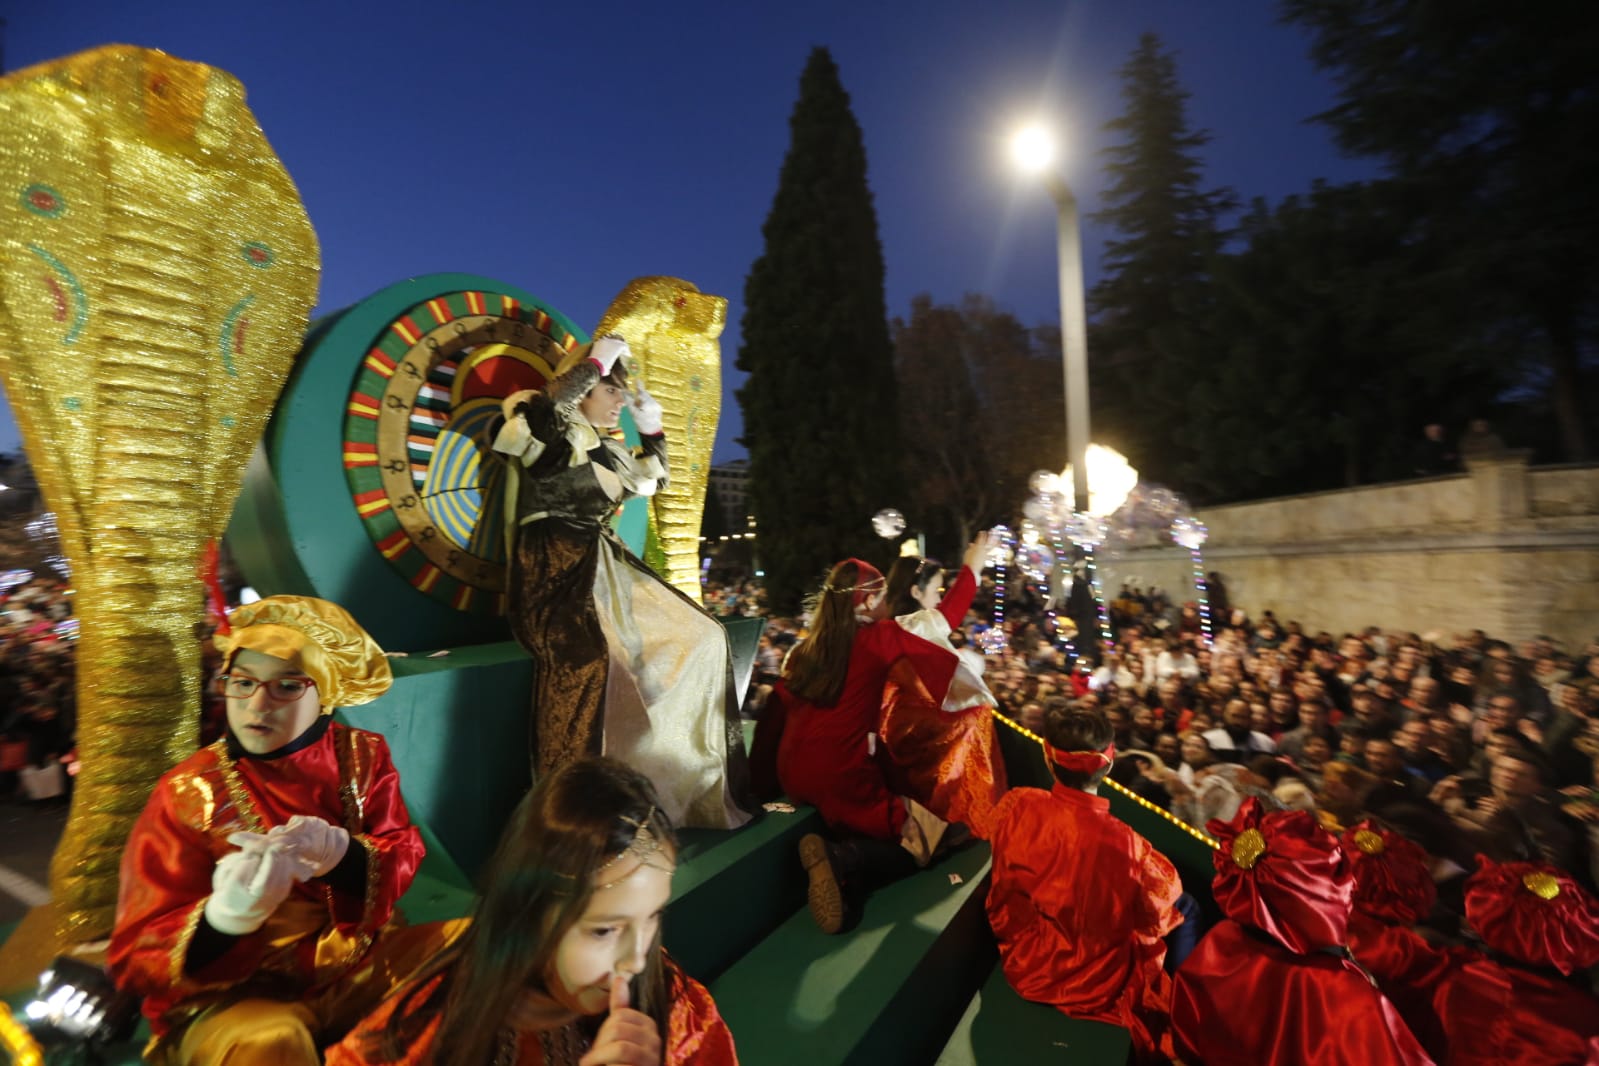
[313, 841]
[607, 350]
[246, 887]
[646, 412]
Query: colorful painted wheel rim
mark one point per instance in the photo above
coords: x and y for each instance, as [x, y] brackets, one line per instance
[418, 431]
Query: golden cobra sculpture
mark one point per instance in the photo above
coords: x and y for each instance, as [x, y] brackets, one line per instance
[156, 273]
[673, 330]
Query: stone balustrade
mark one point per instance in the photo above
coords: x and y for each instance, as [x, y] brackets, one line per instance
[1504, 547]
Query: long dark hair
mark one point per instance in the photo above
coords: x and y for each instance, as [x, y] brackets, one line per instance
[538, 885]
[908, 574]
[815, 669]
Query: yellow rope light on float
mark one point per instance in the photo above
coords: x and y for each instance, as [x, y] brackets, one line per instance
[1198, 834]
[17, 1041]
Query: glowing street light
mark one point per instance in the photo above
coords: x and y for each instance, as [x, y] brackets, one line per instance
[1110, 479]
[1033, 151]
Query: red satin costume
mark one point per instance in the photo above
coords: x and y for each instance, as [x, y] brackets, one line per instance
[1510, 1015]
[696, 1035]
[320, 941]
[1242, 999]
[1519, 1008]
[1271, 985]
[825, 757]
[1079, 903]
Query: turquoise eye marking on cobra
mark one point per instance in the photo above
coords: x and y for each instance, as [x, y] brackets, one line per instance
[257, 255]
[80, 302]
[230, 329]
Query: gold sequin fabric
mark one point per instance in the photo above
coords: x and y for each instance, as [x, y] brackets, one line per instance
[156, 273]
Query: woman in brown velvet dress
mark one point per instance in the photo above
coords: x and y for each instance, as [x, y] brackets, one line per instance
[624, 664]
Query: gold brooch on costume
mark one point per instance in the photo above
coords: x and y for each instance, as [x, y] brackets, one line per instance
[1369, 842]
[1543, 885]
[645, 848]
[1248, 847]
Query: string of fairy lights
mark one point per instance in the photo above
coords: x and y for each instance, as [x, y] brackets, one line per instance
[1191, 533]
[1097, 584]
[1198, 834]
[1002, 544]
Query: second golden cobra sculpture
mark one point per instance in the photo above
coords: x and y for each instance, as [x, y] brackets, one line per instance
[673, 330]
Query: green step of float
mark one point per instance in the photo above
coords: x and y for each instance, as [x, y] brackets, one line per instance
[441, 890]
[733, 887]
[887, 993]
[1000, 1028]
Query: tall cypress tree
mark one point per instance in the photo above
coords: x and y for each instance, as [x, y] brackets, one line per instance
[820, 418]
[1148, 336]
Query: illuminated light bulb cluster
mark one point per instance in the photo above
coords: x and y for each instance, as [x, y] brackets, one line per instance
[1198, 834]
[1189, 532]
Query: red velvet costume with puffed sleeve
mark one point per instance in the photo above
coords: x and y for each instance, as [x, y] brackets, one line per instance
[1079, 903]
[319, 934]
[1273, 984]
[825, 756]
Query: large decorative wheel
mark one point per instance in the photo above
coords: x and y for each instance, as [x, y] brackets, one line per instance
[418, 430]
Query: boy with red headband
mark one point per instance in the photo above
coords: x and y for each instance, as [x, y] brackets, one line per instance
[1079, 901]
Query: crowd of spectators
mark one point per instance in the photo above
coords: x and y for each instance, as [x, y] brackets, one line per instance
[1465, 742]
[38, 689]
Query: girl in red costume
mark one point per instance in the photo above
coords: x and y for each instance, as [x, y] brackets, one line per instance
[943, 755]
[824, 734]
[563, 963]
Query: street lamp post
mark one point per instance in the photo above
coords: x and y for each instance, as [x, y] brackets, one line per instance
[1033, 149]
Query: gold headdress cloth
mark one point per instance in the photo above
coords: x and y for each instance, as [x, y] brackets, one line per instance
[331, 647]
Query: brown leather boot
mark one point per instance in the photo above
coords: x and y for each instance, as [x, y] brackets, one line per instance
[829, 907]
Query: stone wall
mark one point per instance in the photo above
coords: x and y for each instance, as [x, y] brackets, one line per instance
[1507, 548]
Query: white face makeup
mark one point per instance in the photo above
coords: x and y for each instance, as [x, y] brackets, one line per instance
[261, 723]
[614, 935]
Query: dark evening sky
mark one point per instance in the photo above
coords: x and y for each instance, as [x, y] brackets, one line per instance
[566, 148]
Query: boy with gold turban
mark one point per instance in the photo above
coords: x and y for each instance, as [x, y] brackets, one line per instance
[259, 884]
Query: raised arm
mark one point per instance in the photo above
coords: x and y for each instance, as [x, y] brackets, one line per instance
[958, 600]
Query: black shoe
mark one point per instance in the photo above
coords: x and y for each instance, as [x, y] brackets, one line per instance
[828, 906]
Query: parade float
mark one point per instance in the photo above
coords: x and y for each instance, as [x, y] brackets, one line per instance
[157, 276]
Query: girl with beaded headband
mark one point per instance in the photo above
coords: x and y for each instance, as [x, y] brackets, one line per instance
[817, 739]
[625, 665]
[563, 962]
